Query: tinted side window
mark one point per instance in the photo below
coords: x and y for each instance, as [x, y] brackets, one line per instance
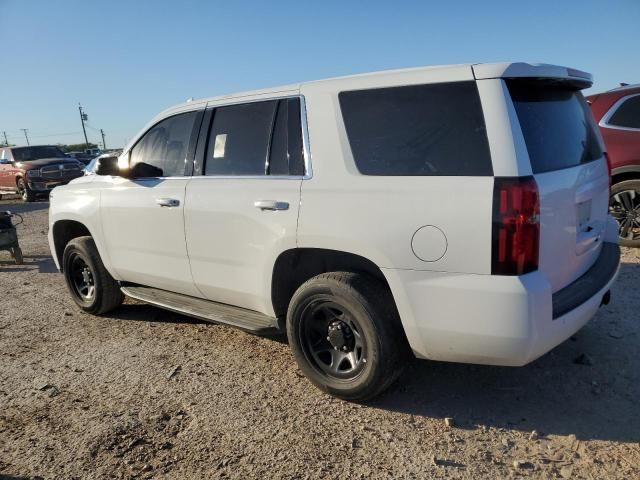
[162, 151]
[239, 139]
[627, 114]
[433, 129]
[286, 156]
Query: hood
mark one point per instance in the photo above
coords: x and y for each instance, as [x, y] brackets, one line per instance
[43, 162]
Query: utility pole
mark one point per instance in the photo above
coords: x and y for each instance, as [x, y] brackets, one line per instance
[6, 142]
[25, 130]
[83, 118]
[104, 145]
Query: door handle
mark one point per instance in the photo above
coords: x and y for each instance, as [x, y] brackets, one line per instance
[168, 202]
[271, 205]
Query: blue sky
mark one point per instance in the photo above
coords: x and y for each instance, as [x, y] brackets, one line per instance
[127, 60]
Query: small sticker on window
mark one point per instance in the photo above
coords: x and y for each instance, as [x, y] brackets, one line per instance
[219, 145]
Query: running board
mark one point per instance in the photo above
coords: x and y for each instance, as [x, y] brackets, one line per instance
[204, 309]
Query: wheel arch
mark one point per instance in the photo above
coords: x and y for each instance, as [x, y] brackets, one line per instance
[63, 231]
[628, 172]
[295, 266]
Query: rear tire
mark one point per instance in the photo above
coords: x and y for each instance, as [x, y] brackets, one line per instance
[624, 205]
[92, 288]
[25, 191]
[346, 335]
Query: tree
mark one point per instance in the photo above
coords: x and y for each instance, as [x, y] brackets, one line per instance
[75, 147]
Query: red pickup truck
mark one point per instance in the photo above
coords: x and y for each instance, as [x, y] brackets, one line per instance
[35, 170]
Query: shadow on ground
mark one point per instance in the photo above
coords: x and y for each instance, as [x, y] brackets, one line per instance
[18, 206]
[141, 312]
[42, 263]
[553, 395]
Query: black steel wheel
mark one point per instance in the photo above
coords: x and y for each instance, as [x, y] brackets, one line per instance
[91, 286]
[332, 340]
[82, 282]
[346, 335]
[624, 206]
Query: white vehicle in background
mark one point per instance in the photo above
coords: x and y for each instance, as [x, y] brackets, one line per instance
[456, 213]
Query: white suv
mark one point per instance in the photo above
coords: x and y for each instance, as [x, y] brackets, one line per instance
[456, 212]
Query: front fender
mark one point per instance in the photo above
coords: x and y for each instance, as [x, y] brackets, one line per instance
[79, 204]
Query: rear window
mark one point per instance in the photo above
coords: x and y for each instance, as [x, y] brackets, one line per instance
[556, 123]
[433, 130]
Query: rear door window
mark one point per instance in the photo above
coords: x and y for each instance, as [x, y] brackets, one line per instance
[257, 138]
[432, 130]
[628, 114]
[556, 123]
[239, 139]
[286, 156]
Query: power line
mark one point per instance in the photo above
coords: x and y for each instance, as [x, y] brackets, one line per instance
[55, 134]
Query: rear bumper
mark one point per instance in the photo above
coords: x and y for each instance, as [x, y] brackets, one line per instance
[496, 320]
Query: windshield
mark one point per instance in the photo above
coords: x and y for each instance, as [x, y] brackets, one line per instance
[556, 123]
[24, 154]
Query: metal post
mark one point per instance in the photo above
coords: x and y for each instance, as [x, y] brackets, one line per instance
[25, 130]
[83, 117]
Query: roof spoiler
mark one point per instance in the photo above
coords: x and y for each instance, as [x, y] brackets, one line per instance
[532, 70]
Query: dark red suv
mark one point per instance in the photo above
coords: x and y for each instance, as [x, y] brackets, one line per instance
[618, 115]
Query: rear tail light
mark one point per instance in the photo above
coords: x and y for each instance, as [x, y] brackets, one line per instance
[516, 226]
[606, 157]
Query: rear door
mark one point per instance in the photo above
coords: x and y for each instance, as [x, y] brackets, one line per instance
[568, 164]
[242, 212]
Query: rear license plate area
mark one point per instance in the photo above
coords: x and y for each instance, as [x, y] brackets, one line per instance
[583, 212]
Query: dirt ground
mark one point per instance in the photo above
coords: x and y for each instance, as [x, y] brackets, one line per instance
[152, 394]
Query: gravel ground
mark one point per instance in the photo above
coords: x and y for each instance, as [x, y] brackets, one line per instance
[152, 394]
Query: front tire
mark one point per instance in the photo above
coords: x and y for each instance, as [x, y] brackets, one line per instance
[346, 335]
[25, 191]
[91, 286]
[624, 205]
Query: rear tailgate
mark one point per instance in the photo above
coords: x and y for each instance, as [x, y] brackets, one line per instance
[568, 164]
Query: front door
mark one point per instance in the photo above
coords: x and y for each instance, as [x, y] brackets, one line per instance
[243, 211]
[7, 177]
[143, 215]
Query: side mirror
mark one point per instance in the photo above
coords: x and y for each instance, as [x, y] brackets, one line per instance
[4, 161]
[108, 166]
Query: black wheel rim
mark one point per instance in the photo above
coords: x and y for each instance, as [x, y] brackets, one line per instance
[332, 340]
[625, 208]
[82, 278]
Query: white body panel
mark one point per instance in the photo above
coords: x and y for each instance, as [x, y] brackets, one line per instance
[233, 244]
[145, 240]
[376, 217]
[218, 245]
